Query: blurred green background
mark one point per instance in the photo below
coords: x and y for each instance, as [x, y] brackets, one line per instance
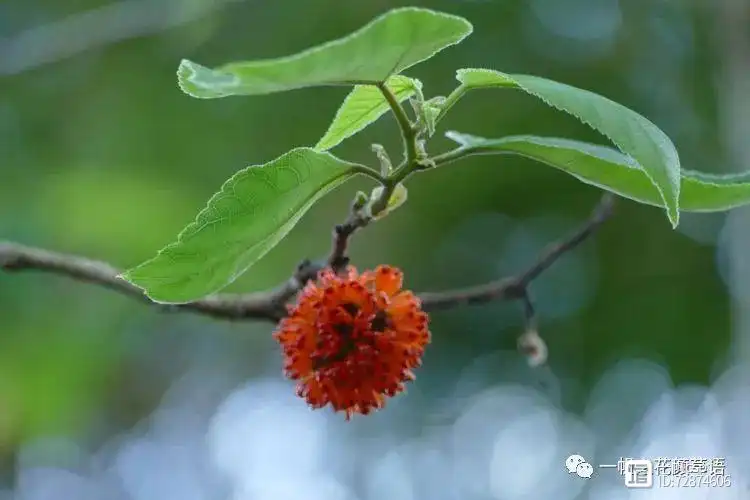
[102, 155]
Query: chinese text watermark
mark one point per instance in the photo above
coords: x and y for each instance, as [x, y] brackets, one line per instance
[661, 472]
[673, 472]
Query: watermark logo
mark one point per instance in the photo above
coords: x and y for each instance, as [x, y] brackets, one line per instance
[673, 472]
[578, 465]
[638, 473]
[661, 472]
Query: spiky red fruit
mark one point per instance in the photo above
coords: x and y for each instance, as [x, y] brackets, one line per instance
[353, 339]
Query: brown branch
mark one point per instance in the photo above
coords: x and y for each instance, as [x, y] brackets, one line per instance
[339, 259]
[263, 305]
[357, 219]
[271, 305]
[514, 288]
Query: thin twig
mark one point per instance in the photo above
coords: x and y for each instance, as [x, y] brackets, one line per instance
[529, 312]
[357, 219]
[407, 128]
[514, 288]
[338, 259]
[411, 163]
[270, 305]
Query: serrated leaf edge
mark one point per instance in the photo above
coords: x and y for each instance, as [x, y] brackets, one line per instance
[416, 85]
[673, 217]
[332, 43]
[128, 274]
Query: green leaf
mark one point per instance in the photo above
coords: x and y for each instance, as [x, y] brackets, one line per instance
[609, 169]
[386, 46]
[251, 213]
[364, 105]
[398, 198]
[633, 134]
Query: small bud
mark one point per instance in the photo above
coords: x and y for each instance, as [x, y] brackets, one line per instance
[360, 200]
[535, 349]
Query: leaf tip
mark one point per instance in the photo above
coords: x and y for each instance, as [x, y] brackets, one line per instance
[204, 83]
[150, 289]
[185, 73]
[458, 137]
[185, 70]
[130, 276]
[674, 217]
